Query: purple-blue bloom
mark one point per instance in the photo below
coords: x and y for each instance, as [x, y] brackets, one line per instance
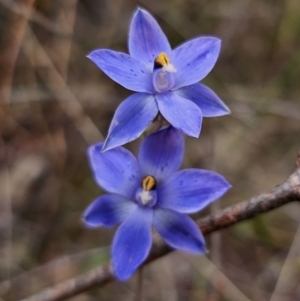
[150, 191]
[166, 81]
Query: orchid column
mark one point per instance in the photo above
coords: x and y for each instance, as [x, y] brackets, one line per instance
[149, 190]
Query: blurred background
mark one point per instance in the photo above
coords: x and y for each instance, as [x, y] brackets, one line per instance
[55, 102]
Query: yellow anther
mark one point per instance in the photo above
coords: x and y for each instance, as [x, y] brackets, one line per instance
[162, 60]
[148, 183]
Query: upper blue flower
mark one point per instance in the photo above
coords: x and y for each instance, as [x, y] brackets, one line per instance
[150, 191]
[166, 81]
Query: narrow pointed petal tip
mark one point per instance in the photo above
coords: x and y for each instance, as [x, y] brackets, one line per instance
[191, 190]
[131, 118]
[195, 59]
[179, 231]
[106, 146]
[206, 99]
[107, 210]
[123, 69]
[182, 113]
[146, 39]
[161, 153]
[132, 243]
[109, 170]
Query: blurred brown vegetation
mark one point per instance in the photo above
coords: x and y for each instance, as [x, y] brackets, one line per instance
[55, 102]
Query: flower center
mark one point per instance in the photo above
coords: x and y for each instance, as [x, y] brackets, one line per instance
[163, 73]
[146, 195]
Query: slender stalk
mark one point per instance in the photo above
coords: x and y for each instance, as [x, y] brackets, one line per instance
[11, 45]
[139, 286]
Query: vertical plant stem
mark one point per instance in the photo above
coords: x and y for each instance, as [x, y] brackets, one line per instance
[10, 46]
[61, 47]
[6, 249]
[215, 252]
[139, 285]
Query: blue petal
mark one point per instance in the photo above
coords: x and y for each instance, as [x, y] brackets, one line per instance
[191, 190]
[179, 231]
[115, 171]
[161, 153]
[195, 59]
[132, 117]
[181, 113]
[123, 69]
[206, 99]
[146, 39]
[108, 210]
[132, 242]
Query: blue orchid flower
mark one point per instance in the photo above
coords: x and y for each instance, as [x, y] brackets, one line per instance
[150, 191]
[166, 81]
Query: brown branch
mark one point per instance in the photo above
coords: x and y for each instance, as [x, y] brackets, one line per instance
[282, 194]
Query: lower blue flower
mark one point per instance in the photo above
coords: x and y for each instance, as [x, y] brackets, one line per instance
[150, 191]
